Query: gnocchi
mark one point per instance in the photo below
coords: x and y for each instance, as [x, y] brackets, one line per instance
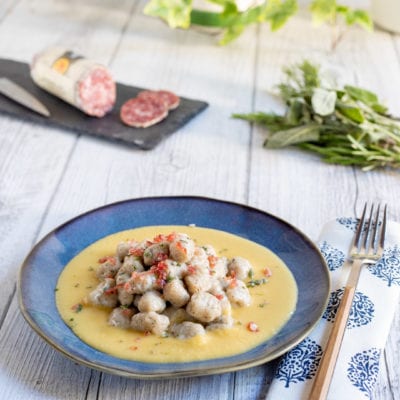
[171, 286]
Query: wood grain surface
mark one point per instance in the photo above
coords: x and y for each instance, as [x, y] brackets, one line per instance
[48, 176]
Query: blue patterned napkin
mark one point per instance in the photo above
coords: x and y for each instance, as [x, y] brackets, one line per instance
[371, 315]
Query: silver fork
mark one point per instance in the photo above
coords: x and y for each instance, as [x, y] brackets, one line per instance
[366, 249]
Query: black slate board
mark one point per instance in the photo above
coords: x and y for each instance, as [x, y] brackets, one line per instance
[109, 127]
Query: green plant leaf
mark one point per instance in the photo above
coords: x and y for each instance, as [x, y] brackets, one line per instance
[363, 95]
[379, 108]
[350, 112]
[341, 9]
[271, 121]
[277, 12]
[310, 75]
[287, 137]
[323, 101]
[323, 11]
[294, 113]
[231, 33]
[175, 12]
[359, 131]
[359, 17]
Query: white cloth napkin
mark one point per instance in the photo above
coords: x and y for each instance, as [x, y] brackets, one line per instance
[371, 315]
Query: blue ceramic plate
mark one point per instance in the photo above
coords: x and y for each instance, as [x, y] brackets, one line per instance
[40, 271]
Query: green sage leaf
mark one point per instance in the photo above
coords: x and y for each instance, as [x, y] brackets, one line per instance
[379, 108]
[323, 101]
[350, 112]
[287, 137]
[294, 113]
[362, 95]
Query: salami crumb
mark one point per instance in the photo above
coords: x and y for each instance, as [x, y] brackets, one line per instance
[170, 100]
[142, 113]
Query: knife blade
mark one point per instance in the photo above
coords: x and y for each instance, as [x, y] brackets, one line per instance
[18, 94]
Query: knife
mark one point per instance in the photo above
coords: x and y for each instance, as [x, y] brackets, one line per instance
[17, 93]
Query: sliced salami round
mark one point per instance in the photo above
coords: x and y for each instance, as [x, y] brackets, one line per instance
[142, 112]
[170, 99]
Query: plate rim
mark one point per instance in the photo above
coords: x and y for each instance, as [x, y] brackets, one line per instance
[178, 374]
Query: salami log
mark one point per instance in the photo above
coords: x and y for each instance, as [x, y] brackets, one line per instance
[80, 82]
[170, 99]
[142, 113]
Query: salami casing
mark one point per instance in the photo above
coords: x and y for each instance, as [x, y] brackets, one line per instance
[80, 82]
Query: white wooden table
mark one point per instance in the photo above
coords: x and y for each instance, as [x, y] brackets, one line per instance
[48, 175]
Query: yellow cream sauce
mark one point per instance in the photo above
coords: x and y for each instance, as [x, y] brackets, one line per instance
[272, 302]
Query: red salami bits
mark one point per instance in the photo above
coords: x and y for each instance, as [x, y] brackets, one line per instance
[267, 272]
[169, 99]
[252, 327]
[142, 113]
[148, 108]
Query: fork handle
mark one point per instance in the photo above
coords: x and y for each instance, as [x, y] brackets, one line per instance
[323, 379]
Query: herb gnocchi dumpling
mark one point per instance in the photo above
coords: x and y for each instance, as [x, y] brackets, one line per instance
[170, 285]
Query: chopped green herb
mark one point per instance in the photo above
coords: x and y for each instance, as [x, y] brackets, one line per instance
[256, 282]
[76, 285]
[56, 289]
[77, 307]
[250, 274]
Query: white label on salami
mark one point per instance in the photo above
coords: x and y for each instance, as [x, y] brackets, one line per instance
[59, 71]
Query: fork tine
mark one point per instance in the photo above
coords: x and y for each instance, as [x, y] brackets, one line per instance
[369, 225]
[356, 240]
[373, 245]
[381, 244]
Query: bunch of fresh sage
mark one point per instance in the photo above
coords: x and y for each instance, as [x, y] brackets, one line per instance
[347, 126]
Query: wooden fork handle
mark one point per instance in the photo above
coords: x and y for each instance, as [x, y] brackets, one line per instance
[323, 379]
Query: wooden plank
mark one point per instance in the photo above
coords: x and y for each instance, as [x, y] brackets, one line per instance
[295, 185]
[30, 369]
[196, 160]
[253, 383]
[34, 159]
[29, 173]
[6, 8]
[186, 163]
[214, 387]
